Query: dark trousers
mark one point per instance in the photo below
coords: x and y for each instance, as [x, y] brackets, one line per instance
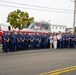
[17, 45]
[13, 46]
[63, 44]
[68, 43]
[39, 45]
[58, 43]
[26, 44]
[72, 43]
[6, 46]
[22, 45]
[35, 44]
[31, 45]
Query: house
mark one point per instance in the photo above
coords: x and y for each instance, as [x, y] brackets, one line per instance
[57, 28]
[4, 27]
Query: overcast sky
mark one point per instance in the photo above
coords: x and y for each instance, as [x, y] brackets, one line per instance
[55, 16]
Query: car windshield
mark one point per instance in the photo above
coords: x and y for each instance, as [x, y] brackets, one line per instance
[39, 26]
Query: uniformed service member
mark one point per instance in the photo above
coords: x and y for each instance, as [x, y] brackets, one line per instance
[72, 40]
[39, 41]
[31, 41]
[18, 41]
[68, 37]
[59, 38]
[27, 41]
[13, 41]
[22, 41]
[6, 42]
[35, 41]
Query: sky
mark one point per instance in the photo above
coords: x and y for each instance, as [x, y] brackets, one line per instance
[55, 15]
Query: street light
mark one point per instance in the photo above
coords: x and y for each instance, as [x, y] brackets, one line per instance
[74, 14]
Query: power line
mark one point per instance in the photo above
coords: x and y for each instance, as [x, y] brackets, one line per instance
[67, 19]
[34, 5]
[33, 8]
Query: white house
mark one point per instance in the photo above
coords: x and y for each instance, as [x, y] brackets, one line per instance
[57, 28]
[4, 27]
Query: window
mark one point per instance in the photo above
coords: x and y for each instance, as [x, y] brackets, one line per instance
[60, 27]
[39, 25]
[53, 27]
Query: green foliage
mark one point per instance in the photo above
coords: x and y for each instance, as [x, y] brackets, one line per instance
[18, 19]
[75, 29]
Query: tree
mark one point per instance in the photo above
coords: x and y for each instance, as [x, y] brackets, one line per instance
[18, 19]
[75, 29]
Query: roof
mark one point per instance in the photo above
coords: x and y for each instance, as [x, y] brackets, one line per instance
[58, 25]
[41, 22]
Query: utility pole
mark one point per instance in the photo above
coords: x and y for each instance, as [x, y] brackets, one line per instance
[74, 19]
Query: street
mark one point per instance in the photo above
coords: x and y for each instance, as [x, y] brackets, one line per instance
[37, 62]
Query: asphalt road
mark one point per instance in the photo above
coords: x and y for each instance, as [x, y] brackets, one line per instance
[35, 62]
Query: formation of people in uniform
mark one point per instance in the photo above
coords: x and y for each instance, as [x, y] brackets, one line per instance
[17, 41]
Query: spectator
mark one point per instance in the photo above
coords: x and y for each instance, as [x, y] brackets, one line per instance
[51, 40]
[55, 41]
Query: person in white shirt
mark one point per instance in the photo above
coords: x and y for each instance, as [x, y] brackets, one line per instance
[51, 40]
[59, 40]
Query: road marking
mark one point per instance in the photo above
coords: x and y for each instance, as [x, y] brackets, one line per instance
[59, 71]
